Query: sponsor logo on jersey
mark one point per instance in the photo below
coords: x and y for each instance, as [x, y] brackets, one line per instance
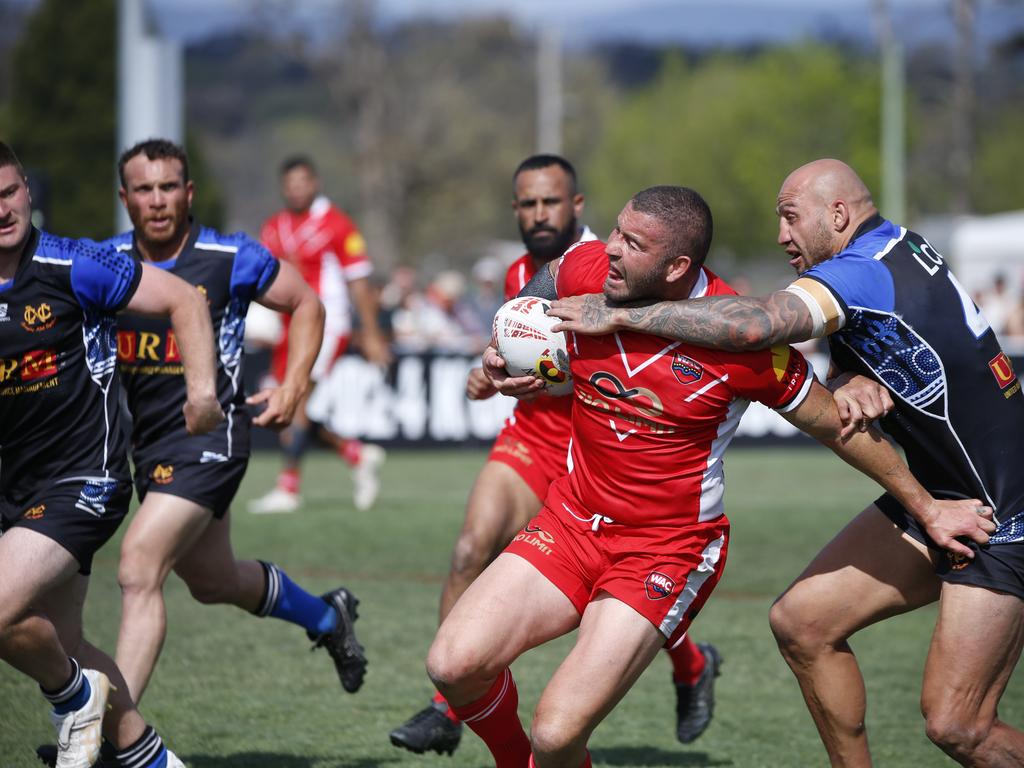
[641, 398]
[137, 346]
[162, 474]
[38, 364]
[957, 561]
[210, 457]
[686, 369]
[38, 318]
[35, 512]
[1002, 369]
[658, 585]
[35, 364]
[536, 537]
[3, 313]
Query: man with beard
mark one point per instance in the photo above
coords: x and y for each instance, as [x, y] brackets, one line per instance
[630, 543]
[186, 483]
[327, 249]
[926, 360]
[64, 480]
[531, 452]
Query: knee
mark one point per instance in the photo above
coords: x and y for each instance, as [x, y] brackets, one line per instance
[471, 554]
[801, 629]
[453, 664]
[556, 739]
[138, 572]
[957, 733]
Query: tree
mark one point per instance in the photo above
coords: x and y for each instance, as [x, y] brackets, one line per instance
[62, 110]
[733, 127]
[62, 116]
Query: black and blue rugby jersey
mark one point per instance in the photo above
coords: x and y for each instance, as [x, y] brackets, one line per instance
[900, 316]
[58, 379]
[231, 271]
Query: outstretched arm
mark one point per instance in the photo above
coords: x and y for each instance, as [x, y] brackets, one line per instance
[735, 323]
[871, 453]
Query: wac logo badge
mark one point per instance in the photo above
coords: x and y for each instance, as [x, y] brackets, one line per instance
[162, 474]
[686, 369]
[658, 585]
[39, 318]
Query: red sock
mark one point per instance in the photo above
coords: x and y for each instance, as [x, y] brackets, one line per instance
[350, 451]
[585, 764]
[440, 699]
[289, 480]
[687, 662]
[493, 717]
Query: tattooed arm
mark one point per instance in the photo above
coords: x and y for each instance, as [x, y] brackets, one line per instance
[734, 323]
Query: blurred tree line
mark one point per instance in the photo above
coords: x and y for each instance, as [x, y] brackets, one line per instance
[417, 126]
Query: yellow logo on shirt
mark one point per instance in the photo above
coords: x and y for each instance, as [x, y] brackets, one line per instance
[355, 245]
[780, 361]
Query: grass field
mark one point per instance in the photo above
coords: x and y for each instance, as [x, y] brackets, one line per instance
[233, 691]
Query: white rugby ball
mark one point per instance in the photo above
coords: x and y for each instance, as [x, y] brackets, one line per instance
[525, 341]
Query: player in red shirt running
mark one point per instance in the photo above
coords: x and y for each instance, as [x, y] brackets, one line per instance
[530, 453]
[630, 544]
[330, 254]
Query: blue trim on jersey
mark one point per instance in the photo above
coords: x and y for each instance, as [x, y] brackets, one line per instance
[856, 276]
[167, 265]
[102, 277]
[253, 270]
[5, 284]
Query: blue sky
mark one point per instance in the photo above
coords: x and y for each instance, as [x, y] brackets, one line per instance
[707, 22]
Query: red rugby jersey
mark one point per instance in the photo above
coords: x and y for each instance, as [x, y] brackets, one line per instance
[652, 417]
[327, 249]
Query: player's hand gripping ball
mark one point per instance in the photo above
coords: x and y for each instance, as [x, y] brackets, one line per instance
[525, 341]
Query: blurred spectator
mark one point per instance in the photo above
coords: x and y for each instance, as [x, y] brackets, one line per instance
[997, 304]
[441, 321]
[486, 298]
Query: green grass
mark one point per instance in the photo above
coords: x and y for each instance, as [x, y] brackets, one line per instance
[232, 691]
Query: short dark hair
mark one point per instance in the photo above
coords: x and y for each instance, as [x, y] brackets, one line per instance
[538, 162]
[298, 161]
[154, 149]
[686, 214]
[7, 157]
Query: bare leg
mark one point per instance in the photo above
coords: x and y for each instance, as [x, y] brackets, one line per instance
[31, 565]
[492, 625]
[214, 576]
[163, 529]
[975, 647]
[122, 725]
[868, 572]
[500, 503]
[614, 647]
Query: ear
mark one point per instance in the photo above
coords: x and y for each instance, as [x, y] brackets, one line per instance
[190, 190]
[121, 193]
[577, 204]
[840, 215]
[678, 268]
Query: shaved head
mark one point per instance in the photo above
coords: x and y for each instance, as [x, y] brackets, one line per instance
[829, 180]
[820, 206]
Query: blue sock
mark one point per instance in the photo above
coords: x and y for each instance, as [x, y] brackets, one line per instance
[73, 694]
[286, 600]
